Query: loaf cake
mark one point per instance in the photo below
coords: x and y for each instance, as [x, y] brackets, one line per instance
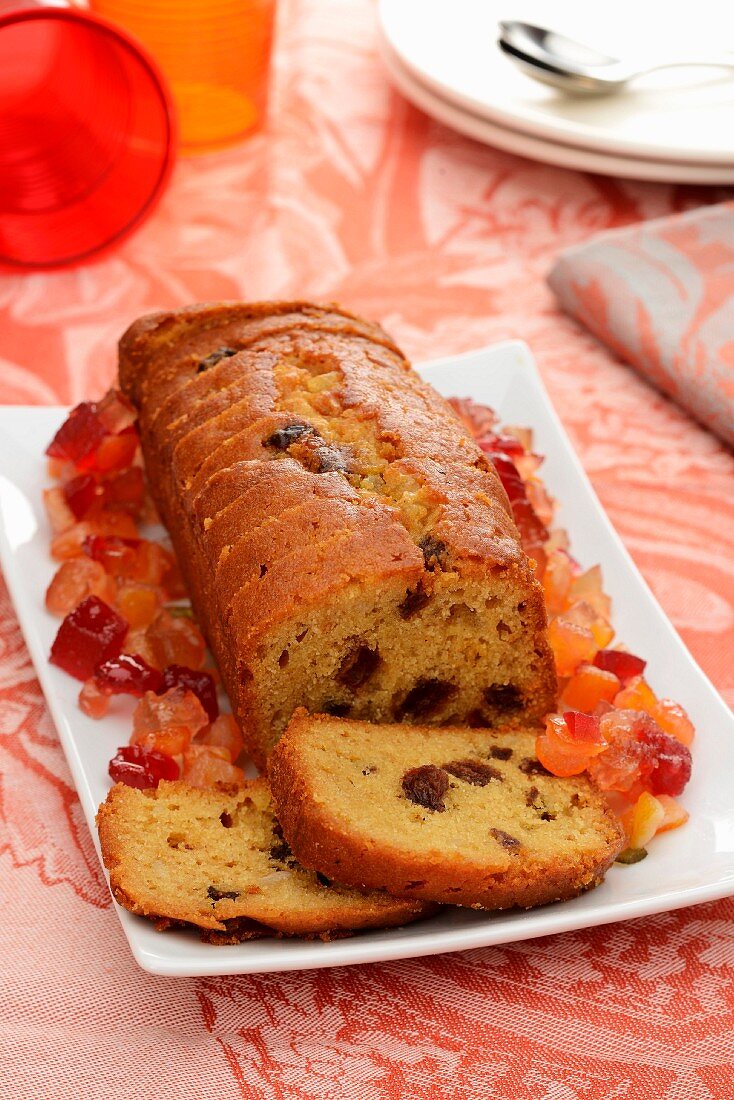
[346, 544]
[216, 859]
[453, 815]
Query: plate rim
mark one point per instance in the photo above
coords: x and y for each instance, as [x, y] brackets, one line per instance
[562, 131]
[408, 942]
[534, 147]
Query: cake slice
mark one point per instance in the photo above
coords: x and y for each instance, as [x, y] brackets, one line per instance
[217, 859]
[457, 815]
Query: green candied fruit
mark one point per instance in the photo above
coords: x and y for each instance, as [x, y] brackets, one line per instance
[631, 855]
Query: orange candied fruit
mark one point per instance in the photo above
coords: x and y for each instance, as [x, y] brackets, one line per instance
[205, 765]
[69, 544]
[175, 640]
[92, 701]
[223, 733]
[138, 603]
[672, 719]
[588, 687]
[636, 695]
[73, 581]
[643, 820]
[557, 581]
[584, 614]
[175, 708]
[60, 515]
[572, 645]
[588, 588]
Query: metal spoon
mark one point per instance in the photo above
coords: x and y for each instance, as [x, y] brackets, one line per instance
[575, 68]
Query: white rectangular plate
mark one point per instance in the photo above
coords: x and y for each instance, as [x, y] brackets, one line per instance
[692, 864]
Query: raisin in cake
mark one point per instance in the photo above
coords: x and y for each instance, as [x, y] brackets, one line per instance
[452, 815]
[217, 859]
[347, 545]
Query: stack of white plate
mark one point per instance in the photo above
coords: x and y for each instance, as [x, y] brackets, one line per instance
[676, 125]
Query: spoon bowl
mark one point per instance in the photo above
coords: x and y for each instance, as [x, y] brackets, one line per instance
[575, 68]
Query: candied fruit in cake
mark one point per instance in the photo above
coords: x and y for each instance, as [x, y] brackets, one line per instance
[73, 581]
[196, 680]
[139, 767]
[128, 674]
[90, 634]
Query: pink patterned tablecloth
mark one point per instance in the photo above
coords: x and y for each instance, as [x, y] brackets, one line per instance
[353, 195]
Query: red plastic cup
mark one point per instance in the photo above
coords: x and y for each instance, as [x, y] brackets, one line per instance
[87, 135]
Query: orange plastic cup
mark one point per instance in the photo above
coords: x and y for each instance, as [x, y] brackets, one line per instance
[215, 55]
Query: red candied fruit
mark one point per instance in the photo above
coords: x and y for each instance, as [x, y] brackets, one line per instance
[128, 674]
[623, 665]
[669, 760]
[201, 683]
[79, 436]
[533, 531]
[89, 635]
[115, 452]
[116, 554]
[116, 413]
[139, 767]
[582, 728]
[80, 493]
[125, 490]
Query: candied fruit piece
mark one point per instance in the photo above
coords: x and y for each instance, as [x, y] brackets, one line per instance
[588, 687]
[139, 603]
[669, 760]
[92, 701]
[73, 581]
[125, 490]
[80, 493]
[560, 758]
[581, 730]
[60, 515]
[79, 435]
[138, 767]
[176, 640]
[175, 707]
[587, 587]
[116, 413]
[672, 719]
[557, 581]
[116, 554]
[224, 733]
[533, 532]
[636, 695]
[171, 740]
[70, 543]
[137, 643]
[205, 765]
[643, 820]
[572, 645]
[675, 815]
[624, 665]
[128, 674]
[583, 614]
[200, 682]
[115, 452]
[89, 635]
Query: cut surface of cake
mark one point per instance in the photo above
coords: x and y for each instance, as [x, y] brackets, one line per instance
[455, 815]
[347, 546]
[216, 859]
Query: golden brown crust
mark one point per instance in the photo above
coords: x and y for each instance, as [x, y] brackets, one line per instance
[204, 857]
[494, 874]
[317, 419]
